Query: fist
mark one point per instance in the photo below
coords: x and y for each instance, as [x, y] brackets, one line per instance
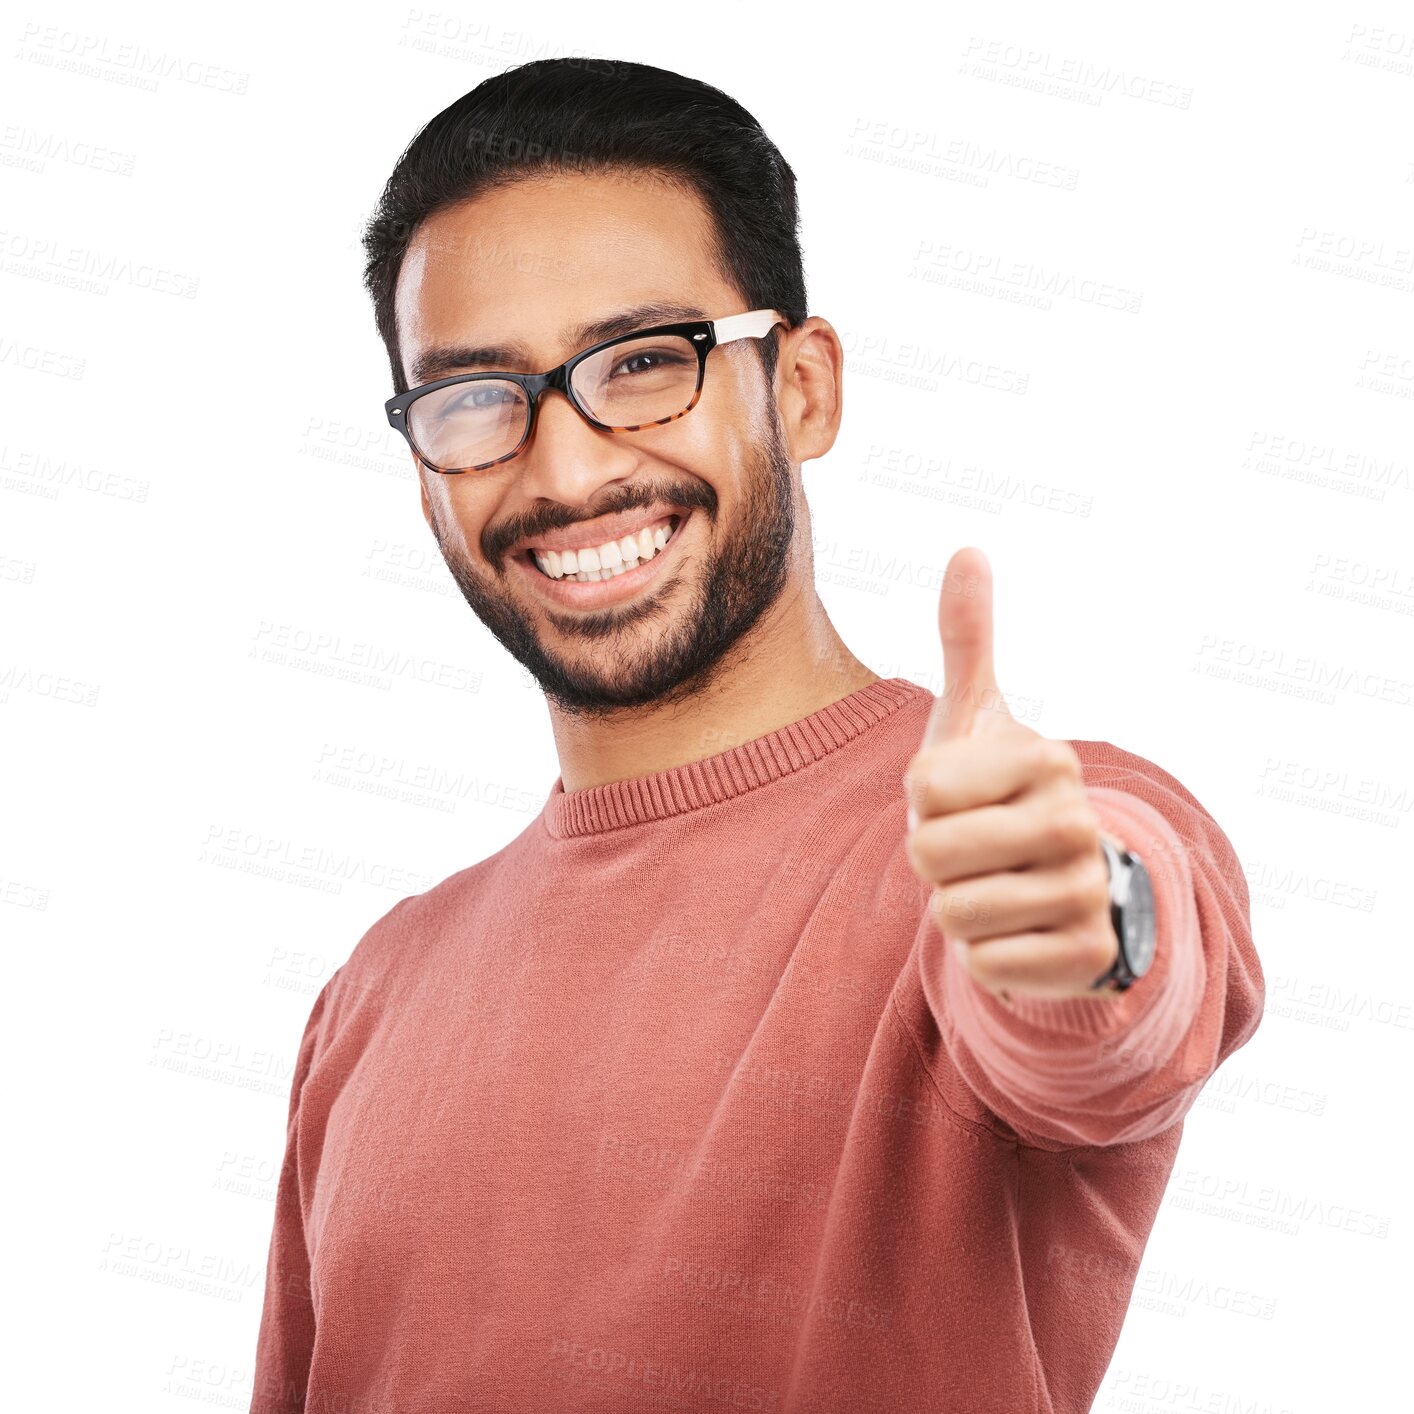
[1000, 825]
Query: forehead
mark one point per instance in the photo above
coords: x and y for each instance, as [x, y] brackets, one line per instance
[529, 262]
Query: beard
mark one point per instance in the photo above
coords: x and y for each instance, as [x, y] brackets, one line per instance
[644, 651]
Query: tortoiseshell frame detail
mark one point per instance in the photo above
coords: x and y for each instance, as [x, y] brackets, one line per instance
[704, 335]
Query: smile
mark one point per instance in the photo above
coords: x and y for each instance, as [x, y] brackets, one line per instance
[592, 576]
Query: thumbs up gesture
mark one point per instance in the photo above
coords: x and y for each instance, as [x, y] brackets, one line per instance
[999, 822]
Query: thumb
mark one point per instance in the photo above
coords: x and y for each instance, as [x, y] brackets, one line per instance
[971, 699]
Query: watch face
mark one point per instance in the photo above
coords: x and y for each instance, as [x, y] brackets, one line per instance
[1139, 922]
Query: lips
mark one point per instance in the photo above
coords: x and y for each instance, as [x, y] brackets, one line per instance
[592, 594]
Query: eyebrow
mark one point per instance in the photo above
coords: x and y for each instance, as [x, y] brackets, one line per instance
[445, 359]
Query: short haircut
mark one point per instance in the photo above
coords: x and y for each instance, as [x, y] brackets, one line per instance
[586, 115]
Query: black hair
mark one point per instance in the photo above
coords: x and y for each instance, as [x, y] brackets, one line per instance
[590, 114]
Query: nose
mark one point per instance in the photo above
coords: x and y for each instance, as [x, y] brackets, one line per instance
[565, 459]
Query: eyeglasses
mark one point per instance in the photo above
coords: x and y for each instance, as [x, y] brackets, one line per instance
[476, 420]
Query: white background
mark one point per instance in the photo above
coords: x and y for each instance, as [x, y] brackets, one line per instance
[1189, 465]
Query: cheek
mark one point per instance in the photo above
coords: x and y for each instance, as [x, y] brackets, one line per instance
[717, 444]
[461, 516]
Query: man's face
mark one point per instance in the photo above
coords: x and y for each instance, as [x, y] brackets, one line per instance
[526, 264]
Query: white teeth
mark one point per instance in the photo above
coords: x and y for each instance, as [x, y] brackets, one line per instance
[605, 561]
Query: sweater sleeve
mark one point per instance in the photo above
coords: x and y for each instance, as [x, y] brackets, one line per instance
[1118, 1067]
[285, 1342]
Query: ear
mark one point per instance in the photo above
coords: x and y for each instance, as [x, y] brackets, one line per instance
[809, 376]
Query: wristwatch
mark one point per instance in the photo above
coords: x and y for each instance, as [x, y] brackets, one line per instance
[1132, 913]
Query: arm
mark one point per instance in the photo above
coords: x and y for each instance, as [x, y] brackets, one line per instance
[287, 1324]
[1111, 1069]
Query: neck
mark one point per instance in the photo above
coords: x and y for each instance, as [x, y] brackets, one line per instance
[791, 664]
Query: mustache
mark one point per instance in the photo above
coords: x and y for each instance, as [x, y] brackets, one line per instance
[691, 495]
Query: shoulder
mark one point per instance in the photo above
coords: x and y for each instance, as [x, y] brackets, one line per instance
[397, 948]
[1104, 763]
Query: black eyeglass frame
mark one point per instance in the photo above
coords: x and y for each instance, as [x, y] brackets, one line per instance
[704, 335]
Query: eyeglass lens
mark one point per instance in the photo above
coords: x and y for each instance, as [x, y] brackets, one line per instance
[627, 385]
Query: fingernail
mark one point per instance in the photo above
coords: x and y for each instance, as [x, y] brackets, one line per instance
[912, 819]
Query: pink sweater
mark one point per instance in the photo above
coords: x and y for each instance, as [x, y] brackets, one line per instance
[680, 1099]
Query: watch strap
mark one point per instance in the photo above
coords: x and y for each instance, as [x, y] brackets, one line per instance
[1120, 976]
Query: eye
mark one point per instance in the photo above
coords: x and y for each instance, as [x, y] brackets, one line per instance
[478, 397]
[647, 361]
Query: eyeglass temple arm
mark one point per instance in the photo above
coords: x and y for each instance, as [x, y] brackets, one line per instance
[746, 326]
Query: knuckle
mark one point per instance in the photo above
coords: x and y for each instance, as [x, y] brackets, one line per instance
[1074, 893]
[1089, 886]
[1038, 754]
[1101, 949]
[1080, 827]
[1100, 888]
[1055, 757]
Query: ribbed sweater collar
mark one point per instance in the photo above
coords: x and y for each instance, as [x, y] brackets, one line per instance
[743, 768]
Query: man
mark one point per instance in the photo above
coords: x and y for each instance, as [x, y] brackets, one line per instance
[766, 1068]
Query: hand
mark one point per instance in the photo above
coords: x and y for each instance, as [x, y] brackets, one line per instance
[1000, 824]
